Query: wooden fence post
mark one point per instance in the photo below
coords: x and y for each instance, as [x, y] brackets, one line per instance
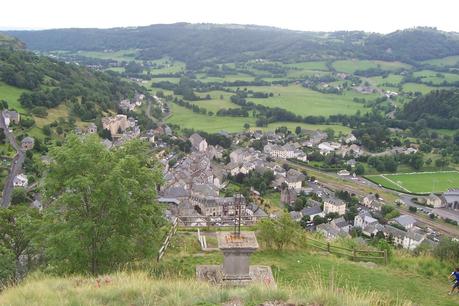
[328, 247]
[385, 257]
[353, 254]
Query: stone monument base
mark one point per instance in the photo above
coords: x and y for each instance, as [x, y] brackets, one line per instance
[214, 275]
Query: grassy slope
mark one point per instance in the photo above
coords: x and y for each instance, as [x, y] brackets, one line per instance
[140, 289]
[303, 276]
[11, 94]
[420, 280]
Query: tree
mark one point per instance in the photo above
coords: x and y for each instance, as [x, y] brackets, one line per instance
[19, 196]
[279, 233]
[298, 130]
[304, 221]
[246, 126]
[102, 212]
[413, 209]
[7, 266]
[17, 225]
[359, 169]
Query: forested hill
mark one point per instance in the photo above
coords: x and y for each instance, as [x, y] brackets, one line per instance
[8, 41]
[438, 109]
[199, 42]
[49, 82]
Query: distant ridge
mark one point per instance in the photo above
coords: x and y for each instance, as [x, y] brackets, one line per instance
[232, 42]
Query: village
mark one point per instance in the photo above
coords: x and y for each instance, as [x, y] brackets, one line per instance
[199, 180]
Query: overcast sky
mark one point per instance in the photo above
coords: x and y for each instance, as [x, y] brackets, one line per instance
[316, 15]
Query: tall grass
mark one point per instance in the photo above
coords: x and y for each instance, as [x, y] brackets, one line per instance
[140, 289]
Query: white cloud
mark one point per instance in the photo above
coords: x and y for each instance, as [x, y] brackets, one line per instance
[322, 15]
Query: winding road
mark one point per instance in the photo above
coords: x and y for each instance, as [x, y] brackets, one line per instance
[16, 165]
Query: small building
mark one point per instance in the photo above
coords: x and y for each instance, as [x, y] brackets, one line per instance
[198, 143]
[405, 220]
[312, 212]
[343, 173]
[27, 143]
[333, 205]
[364, 219]
[452, 199]
[288, 196]
[294, 179]
[91, 128]
[10, 117]
[20, 181]
[296, 215]
[371, 201]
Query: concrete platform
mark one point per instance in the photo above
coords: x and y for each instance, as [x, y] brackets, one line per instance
[214, 275]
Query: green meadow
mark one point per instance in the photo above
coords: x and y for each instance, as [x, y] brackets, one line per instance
[307, 102]
[420, 182]
[350, 66]
[444, 62]
[187, 119]
[11, 94]
[436, 78]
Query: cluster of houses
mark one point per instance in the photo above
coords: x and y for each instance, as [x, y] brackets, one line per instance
[402, 230]
[192, 189]
[121, 127]
[130, 105]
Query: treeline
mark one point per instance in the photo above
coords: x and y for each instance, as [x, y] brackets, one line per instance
[438, 110]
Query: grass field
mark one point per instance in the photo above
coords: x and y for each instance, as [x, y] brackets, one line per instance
[121, 55]
[416, 87]
[436, 77]
[419, 182]
[350, 66]
[307, 102]
[11, 94]
[445, 61]
[187, 119]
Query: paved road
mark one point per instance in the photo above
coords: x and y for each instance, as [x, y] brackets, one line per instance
[16, 165]
[354, 186]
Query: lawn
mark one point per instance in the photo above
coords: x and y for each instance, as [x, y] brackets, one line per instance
[416, 87]
[11, 94]
[445, 61]
[391, 79]
[121, 55]
[419, 182]
[350, 66]
[227, 78]
[307, 102]
[436, 78]
[216, 103]
[188, 119]
[312, 65]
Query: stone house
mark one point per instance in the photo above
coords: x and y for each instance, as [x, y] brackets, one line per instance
[198, 143]
[20, 181]
[11, 117]
[434, 201]
[27, 143]
[333, 205]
